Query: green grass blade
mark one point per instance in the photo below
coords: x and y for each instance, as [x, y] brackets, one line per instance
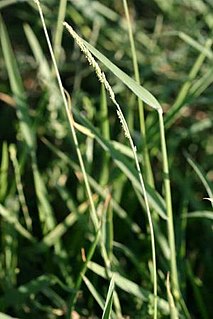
[155, 199]
[180, 101]
[22, 200]
[97, 187]
[4, 316]
[46, 213]
[108, 303]
[9, 250]
[199, 214]
[129, 286]
[17, 87]
[94, 292]
[11, 219]
[147, 169]
[195, 44]
[59, 29]
[137, 89]
[201, 176]
[4, 172]
[44, 69]
[169, 209]
[173, 310]
[105, 129]
[201, 84]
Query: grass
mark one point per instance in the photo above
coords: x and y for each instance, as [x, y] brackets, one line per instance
[105, 188]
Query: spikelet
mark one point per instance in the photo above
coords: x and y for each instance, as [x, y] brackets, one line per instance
[101, 76]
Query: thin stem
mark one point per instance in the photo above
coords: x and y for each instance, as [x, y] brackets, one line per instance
[148, 170]
[147, 165]
[170, 224]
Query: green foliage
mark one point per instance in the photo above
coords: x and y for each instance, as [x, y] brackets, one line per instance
[75, 237]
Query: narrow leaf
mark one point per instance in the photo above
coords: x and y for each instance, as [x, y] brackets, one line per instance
[108, 304]
[137, 89]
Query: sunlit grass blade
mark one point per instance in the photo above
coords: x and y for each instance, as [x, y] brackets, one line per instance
[173, 310]
[22, 200]
[129, 286]
[101, 76]
[13, 220]
[108, 303]
[137, 89]
[94, 292]
[199, 214]
[170, 220]
[59, 29]
[4, 316]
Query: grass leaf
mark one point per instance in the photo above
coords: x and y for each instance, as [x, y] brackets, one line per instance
[108, 303]
[137, 89]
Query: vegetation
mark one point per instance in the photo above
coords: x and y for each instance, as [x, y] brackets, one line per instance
[106, 159]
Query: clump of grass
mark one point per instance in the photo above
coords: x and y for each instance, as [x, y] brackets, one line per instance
[101, 76]
[75, 192]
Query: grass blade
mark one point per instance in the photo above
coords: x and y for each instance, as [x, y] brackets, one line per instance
[154, 198]
[137, 89]
[59, 29]
[129, 286]
[201, 176]
[4, 316]
[199, 214]
[17, 87]
[11, 219]
[108, 303]
[4, 172]
[22, 200]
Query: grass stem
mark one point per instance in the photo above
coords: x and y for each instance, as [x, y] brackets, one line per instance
[170, 223]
